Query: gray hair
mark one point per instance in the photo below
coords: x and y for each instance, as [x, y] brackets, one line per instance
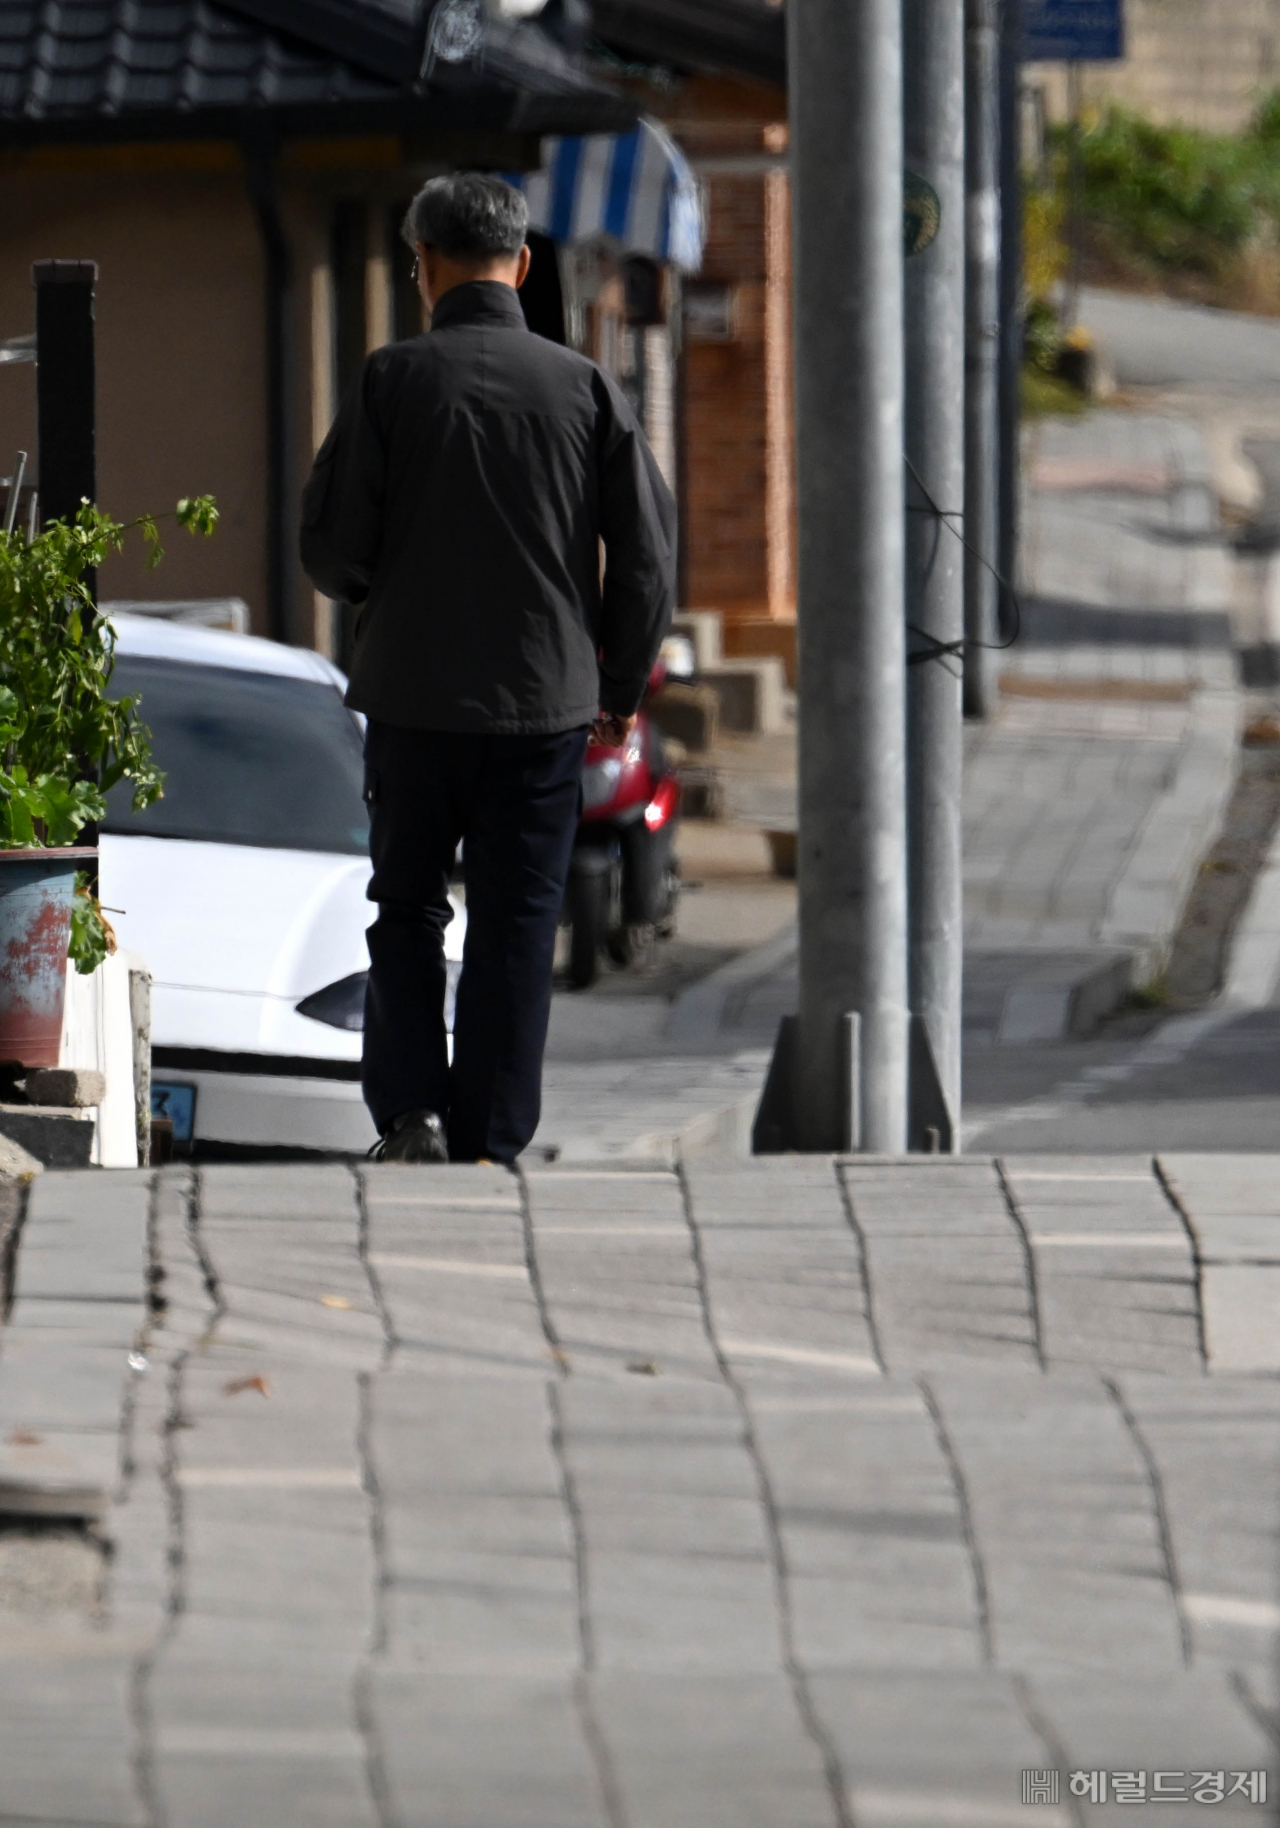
[468, 216]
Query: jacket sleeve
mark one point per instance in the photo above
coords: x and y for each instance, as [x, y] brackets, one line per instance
[638, 527]
[342, 502]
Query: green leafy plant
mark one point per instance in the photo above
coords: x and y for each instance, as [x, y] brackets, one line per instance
[92, 938]
[64, 741]
[1170, 206]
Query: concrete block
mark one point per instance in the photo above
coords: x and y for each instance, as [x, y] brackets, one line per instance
[705, 628]
[74, 1086]
[688, 713]
[752, 694]
[69, 1474]
[58, 1138]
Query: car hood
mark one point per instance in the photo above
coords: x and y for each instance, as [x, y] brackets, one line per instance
[238, 918]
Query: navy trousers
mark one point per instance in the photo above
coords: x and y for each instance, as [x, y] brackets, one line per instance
[513, 803]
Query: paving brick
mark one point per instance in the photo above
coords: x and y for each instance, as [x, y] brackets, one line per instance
[1216, 1444]
[947, 1268]
[871, 1529]
[236, 1191]
[473, 1751]
[309, 1780]
[734, 1752]
[450, 1264]
[617, 1271]
[1064, 1521]
[83, 1238]
[923, 1748]
[1115, 1276]
[553, 1582]
[475, 1615]
[1174, 1720]
[66, 1740]
[50, 1383]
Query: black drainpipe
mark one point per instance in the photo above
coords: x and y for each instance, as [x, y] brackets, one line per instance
[260, 164]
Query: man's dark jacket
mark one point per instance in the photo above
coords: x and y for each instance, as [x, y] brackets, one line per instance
[460, 497]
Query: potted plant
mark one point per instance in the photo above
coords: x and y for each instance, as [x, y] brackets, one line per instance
[63, 743]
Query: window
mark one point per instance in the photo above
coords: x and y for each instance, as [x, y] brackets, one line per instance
[249, 758]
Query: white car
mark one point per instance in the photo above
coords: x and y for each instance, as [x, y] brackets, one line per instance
[243, 889]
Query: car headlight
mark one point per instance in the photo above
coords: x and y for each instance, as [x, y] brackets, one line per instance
[341, 1005]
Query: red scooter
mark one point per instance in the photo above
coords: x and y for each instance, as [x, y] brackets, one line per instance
[623, 875]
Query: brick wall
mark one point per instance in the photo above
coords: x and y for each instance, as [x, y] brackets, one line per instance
[738, 494]
[780, 498]
[725, 403]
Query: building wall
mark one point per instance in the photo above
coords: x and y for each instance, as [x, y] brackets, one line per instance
[738, 456]
[726, 428]
[180, 348]
[780, 495]
[179, 358]
[1203, 62]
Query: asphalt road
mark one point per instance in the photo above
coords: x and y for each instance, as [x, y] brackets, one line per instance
[1159, 342]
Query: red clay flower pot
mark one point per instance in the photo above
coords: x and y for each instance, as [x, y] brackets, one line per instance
[36, 892]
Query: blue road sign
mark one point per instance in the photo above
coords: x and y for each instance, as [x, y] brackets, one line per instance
[1073, 31]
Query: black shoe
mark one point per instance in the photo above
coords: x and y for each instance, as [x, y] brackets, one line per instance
[414, 1136]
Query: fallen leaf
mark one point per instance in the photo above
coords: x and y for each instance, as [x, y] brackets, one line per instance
[643, 1367]
[335, 1301]
[22, 1438]
[257, 1382]
[1263, 732]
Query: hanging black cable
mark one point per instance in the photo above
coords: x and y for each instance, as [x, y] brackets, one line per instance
[949, 517]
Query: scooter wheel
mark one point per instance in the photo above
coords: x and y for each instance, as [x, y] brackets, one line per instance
[632, 947]
[588, 900]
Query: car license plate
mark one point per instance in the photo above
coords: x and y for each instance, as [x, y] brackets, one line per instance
[178, 1104]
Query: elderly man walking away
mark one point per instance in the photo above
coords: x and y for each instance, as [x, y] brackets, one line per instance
[461, 499]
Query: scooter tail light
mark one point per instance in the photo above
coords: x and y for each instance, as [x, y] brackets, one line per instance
[663, 804]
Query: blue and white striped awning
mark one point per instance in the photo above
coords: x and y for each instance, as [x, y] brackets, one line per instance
[635, 188]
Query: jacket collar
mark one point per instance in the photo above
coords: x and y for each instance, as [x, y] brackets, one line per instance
[479, 301]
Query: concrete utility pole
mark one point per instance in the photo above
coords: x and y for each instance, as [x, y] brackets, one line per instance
[1011, 313]
[933, 123]
[845, 65]
[65, 385]
[982, 352]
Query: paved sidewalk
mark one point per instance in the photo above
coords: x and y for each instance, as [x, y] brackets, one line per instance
[1091, 797]
[794, 1494]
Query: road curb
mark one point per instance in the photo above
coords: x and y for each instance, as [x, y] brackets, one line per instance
[699, 1014]
[1151, 892]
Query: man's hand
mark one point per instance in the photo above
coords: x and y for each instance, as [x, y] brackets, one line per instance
[612, 730]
